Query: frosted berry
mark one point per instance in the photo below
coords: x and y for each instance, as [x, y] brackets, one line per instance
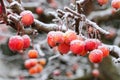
[64, 48]
[56, 72]
[39, 10]
[16, 43]
[69, 36]
[33, 53]
[105, 50]
[27, 18]
[92, 44]
[50, 39]
[30, 63]
[77, 47]
[1, 9]
[27, 41]
[95, 72]
[32, 71]
[115, 4]
[96, 56]
[42, 61]
[58, 37]
[39, 68]
[102, 2]
[55, 38]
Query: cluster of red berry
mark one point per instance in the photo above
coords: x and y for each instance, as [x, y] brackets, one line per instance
[70, 41]
[18, 43]
[35, 65]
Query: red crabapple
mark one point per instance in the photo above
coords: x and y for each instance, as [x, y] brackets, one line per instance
[115, 4]
[39, 10]
[42, 61]
[77, 47]
[16, 43]
[32, 71]
[56, 72]
[95, 72]
[96, 56]
[69, 74]
[69, 36]
[30, 63]
[113, 11]
[105, 50]
[102, 2]
[91, 44]
[63, 48]
[50, 39]
[26, 40]
[27, 18]
[53, 4]
[58, 37]
[55, 38]
[39, 68]
[1, 9]
[33, 53]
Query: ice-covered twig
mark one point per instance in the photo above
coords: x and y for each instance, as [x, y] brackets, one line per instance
[53, 57]
[87, 21]
[40, 26]
[114, 50]
[41, 53]
[93, 24]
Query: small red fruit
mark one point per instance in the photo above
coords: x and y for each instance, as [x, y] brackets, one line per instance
[58, 37]
[33, 53]
[69, 74]
[95, 73]
[69, 36]
[16, 43]
[63, 48]
[39, 10]
[30, 63]
[42, 61]
[77, 47]
[27, 18]
[39, 68]
[53, 5]
[92, 44]
[26, 40]
[1, 9]
[113, 11]
[56, 72]
[96, 56]
[55, 38]
[115, 4]
[75, 66]
[102, 2]
[32, 71]
[50, 39]
[105, 50]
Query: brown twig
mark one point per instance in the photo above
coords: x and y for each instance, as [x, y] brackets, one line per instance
[4, 10]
